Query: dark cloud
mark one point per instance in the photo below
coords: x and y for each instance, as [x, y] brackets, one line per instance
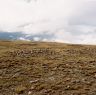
[10, 36]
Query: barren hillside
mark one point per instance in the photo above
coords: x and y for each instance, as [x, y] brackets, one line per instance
[39, 68]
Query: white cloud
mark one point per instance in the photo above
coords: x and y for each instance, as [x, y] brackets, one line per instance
[14, 13]
[23, 39]
[66, 20]
[36, 38]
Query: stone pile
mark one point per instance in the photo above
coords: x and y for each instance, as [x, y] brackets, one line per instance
[36, 52]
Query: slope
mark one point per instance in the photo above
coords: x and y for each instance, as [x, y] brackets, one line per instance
[44, 68]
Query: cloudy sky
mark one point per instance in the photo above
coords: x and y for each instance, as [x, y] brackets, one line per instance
[70, 21]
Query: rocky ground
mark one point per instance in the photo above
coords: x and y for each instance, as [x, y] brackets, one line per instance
[38, 68]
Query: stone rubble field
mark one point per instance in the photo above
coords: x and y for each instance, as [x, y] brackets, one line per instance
[45, 68]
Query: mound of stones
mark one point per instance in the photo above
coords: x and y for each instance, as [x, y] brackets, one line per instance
[36, 52]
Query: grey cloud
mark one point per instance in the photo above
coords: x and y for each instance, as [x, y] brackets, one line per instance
[69, 21]
[86, 15]
[20, 35]
[10, 36]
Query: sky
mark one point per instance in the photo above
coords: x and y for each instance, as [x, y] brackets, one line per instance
[68, 21]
